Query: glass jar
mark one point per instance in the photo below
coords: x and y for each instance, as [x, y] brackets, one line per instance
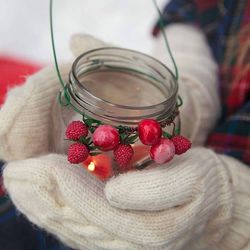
[122, 87]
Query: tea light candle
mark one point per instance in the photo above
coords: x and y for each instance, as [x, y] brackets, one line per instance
[99, 165]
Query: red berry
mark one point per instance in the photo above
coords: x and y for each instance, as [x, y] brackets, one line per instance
[76, 129]
[123, 154]
[106, 137]
[163, 151]
[149, 131]
[77, 153]
[181, 143]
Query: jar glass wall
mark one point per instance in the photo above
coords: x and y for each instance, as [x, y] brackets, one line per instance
[122, 87]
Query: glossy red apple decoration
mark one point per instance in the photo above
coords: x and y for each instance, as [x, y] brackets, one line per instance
[149, 131]
[106, 137]
[163, 151]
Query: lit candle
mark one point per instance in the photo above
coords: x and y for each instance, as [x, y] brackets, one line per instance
[102, 165]
[99, 165]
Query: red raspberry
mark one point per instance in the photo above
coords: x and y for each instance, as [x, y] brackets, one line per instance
[181, 143]
[163, 151]
[149, 131]
[76, 129]
[123, 154]
[77, 153]
[106, 137]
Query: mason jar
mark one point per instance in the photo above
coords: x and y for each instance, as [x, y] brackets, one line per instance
[121, 87]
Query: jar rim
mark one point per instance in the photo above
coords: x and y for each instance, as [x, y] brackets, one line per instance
[145, 107]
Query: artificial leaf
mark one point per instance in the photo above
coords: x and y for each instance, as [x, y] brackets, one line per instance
[167, 135]
[94, 153]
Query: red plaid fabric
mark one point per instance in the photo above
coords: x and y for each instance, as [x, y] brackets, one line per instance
[227, 27]
[13, 72]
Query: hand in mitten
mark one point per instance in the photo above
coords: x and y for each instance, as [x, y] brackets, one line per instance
[31, 118]
[203, 198]
[198, 201]
[70, 203]
[198, 85]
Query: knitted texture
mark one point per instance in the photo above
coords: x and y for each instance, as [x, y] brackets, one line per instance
[198, 81]
[71, 204]
[186, 180]
[25, 116]
[31, 119]
[81, 43]
[193, 202]
[226, 25]
[238, 236]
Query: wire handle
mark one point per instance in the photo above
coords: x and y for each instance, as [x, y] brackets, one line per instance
[166, 40]
[64, 93]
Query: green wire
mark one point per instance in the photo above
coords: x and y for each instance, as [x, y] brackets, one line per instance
[53, 45]
[166, 40]
[64, 86]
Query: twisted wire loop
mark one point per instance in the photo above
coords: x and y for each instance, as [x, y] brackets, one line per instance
[63, 99]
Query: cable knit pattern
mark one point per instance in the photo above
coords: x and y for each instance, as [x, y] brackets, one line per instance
[65, 197]
[198, 79]
[198, 201]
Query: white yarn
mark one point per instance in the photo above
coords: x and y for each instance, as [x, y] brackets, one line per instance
[70, 203]
[198, 79]
[27, 121]
[191, 203]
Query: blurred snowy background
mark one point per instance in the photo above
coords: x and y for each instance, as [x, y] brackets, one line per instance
[24, 25]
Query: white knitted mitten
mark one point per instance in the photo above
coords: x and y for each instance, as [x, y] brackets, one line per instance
[205, 198]
[31, 115]
[192, 203]
[70, 203]
[197, 81]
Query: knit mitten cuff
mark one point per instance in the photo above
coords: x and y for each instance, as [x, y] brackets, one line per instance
[238, 236]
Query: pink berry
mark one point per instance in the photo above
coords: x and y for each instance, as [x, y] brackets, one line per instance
[77, 153]
[149, 131]
[163, 151]
[76, 129]
[123, 154]
[106, 137]
[181, 143]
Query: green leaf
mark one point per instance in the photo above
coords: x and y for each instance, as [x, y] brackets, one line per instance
[132, 139]
[123, 136]
[92, 121]
[91, 148]
[120, 128]
[92, 130]
[94, 153]
[167, 135]
[88, 122]
[85, 140]
[88, 139]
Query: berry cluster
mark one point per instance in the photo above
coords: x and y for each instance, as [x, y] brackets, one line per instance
[107, 138]
[163, 146]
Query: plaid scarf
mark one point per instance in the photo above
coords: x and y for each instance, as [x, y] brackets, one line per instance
[226, 24]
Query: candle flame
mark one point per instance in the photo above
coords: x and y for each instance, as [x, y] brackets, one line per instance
[91, 166]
